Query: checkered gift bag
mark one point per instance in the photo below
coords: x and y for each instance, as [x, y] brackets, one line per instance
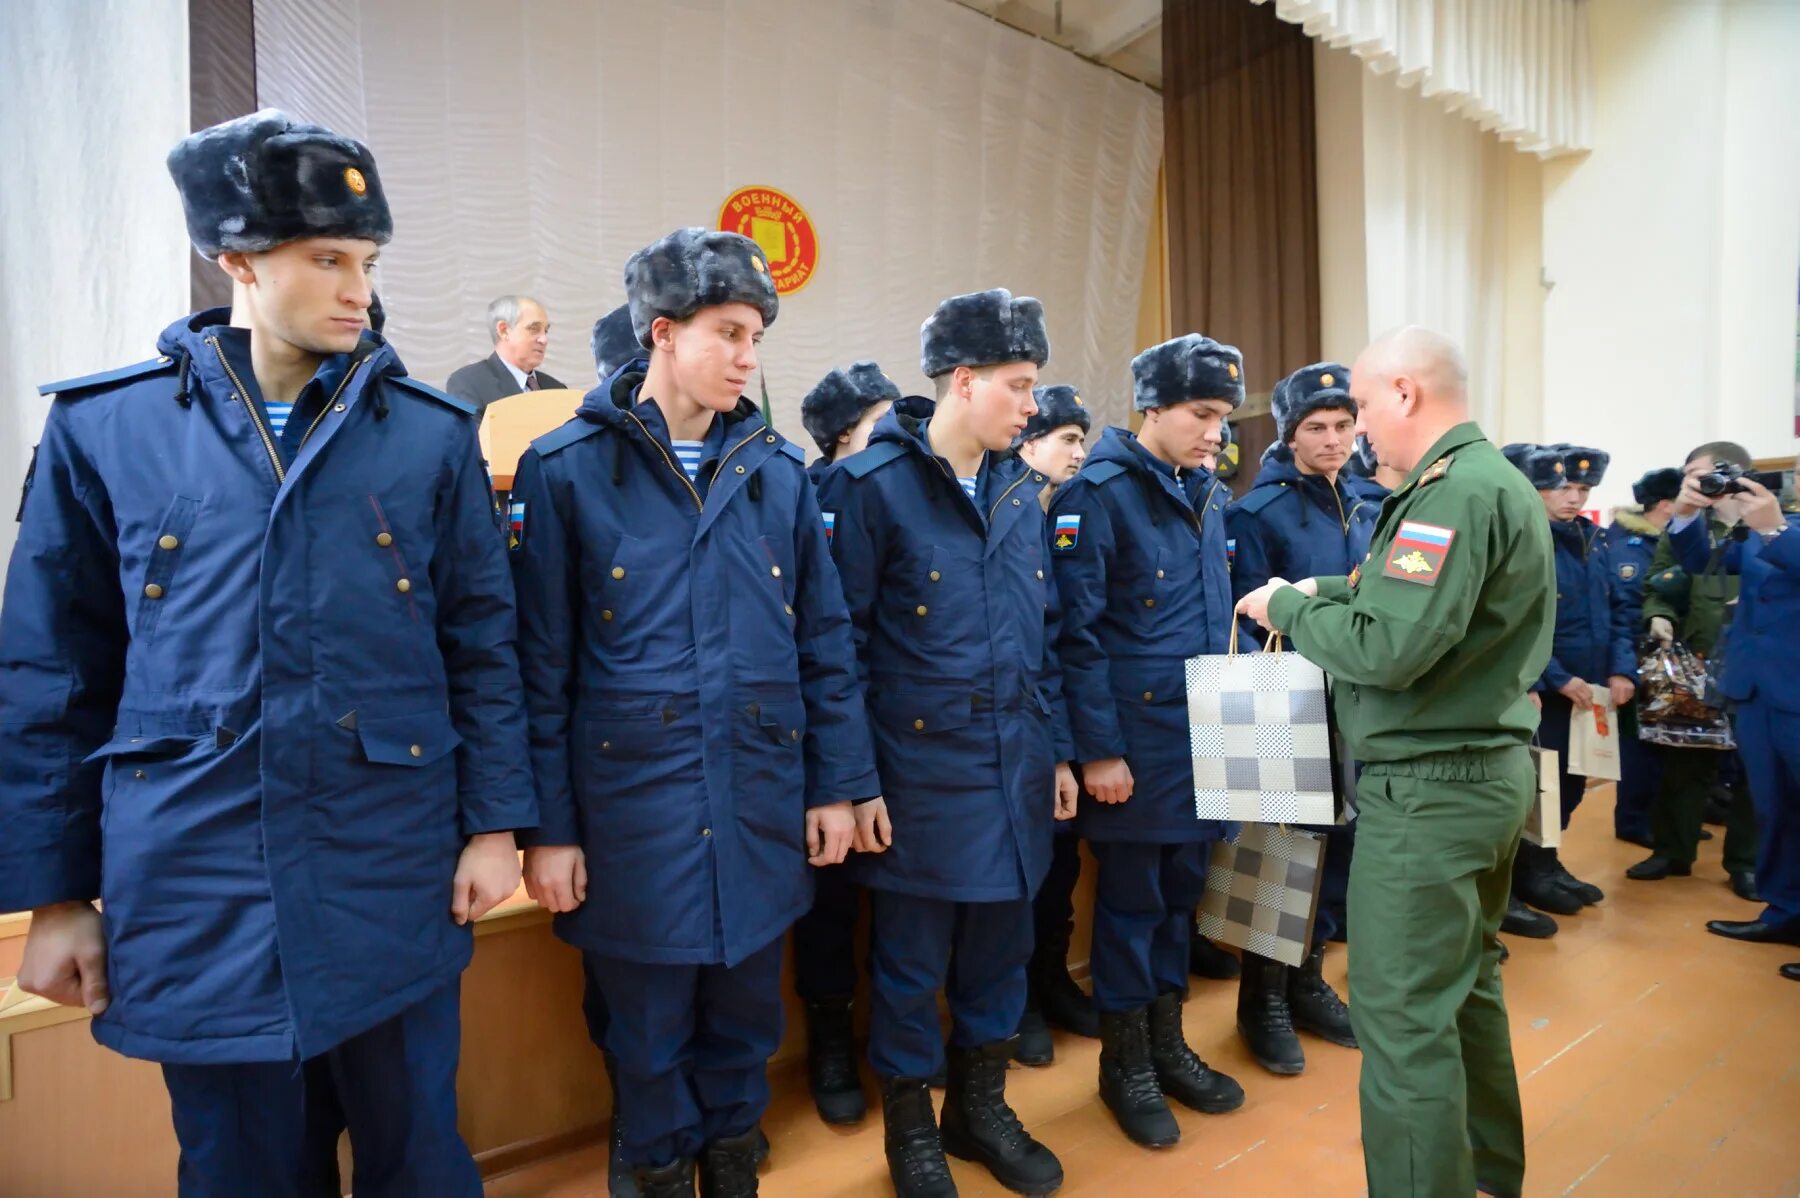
[1544, 824]
[1262, 891]
[1259, 726]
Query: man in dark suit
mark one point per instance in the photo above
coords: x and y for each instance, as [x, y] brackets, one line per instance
[521, 331]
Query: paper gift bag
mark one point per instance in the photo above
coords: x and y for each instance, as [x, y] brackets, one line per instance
[1259, 728]
[1262, 891]
[1594, 738]
[1544, 824]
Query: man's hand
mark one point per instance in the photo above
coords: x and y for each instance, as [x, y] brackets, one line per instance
[829, 831]
[487, 873]
[1108, 779]
[1537, 700]
[556, 876]
[1622, 689]
[1066, 790]
[1761, 508]
[65, 957]
[1662, 630]
[1577, 692]
[1690, 500]
[1256, 605]
[874, 830]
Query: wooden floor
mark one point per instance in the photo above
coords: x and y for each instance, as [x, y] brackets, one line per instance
[1654, 1059]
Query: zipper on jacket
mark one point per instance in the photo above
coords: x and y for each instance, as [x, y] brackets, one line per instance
[699, 504]
[330, 403]
[251, 407]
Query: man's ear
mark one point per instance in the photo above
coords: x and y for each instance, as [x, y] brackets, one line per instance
[238, 265]
[662, 333]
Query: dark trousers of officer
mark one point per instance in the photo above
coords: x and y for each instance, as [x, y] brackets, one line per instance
[1144, 900]
[271, 1128]
[1553, 733]
[1675, 820]
[1640, 768]
[825, 937]
[692, 1045]
[1054, 907]
[1769, 742]
[914, 940]
[1439, 1094]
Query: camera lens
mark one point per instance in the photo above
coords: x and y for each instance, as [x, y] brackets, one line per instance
[1711, 485]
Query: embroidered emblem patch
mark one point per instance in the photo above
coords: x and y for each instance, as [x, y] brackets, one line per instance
[1627, 571]
[1418, 552]
[515, 524]
[830, 519]
[1067, 532]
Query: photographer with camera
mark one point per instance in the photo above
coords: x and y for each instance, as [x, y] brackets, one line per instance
[1693, 609]
[1761, 675]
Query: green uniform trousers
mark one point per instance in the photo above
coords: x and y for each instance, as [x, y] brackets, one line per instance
[1428, 888]
[1680, 805]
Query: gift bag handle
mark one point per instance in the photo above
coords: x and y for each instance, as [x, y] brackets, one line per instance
[1272, 645]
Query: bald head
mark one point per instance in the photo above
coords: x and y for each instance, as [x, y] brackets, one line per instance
[1411, 386]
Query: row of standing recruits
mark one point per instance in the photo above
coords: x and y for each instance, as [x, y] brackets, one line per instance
[197, 707]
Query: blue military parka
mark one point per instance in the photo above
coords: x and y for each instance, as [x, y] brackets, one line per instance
[955, 619]
[1132, 569]
[255, 693]
[689, 675]
[1596, 635]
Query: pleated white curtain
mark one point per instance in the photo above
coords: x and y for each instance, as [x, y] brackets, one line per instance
[1517, 67]
[533, 147]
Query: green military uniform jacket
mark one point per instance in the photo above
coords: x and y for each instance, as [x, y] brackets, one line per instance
[1695, 606]
[1435, 639]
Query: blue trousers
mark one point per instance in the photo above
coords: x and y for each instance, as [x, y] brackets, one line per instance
[1144, 901]
[271, 1128]
[1640, 769]
[692, 1045]
[1553, 733]
[1769, 742]
[825, 937]
[1054, 906]
[1334, 886]
[915, 940]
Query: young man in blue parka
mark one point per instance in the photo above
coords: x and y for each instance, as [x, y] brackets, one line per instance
[1054, 444]
[258, 695]
[1595, 646]
[1126, 547]
[697, 734]
[939, 539]
[1304, 518]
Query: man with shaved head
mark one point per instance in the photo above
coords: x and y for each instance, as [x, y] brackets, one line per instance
[1433, 643]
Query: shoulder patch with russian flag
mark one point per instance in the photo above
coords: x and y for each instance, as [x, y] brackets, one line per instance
[515, 524]
[1066, 533]
[830, 519]
[1418, 553]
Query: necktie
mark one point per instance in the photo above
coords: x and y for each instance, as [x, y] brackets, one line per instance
[531, 383]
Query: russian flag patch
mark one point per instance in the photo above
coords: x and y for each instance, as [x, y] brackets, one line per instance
[830, 519]
[1418, 553]
[1066, 533]
[515, 523]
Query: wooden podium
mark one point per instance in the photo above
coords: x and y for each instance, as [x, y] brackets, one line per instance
[513, 423]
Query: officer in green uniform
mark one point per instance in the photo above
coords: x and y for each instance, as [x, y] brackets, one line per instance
[1432, 644]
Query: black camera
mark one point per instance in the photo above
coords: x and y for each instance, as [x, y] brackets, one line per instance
[1727, 478]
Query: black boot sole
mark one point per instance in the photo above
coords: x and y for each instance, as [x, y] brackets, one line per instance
[1279, 1068]
[1341, 1039]
[1218, 1105]
[956, 1146]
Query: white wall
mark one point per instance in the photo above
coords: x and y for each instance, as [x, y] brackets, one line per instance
[936, 150]
[1673, 249]
[93, 256]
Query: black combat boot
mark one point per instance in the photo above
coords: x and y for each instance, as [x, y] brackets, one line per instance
[1180, 1072]
[1521, 920]
[831, 1062]
[1128, 1084]
[1063, 1002]
[674, 1180]
[619, 1180]
[1264, 1019]
[1315, 1005]
[1535, 882]
[1208, 960]
[728, 1166]
[1587, 892]
[1036, 1047]
[979, 1126]
[915, 1155]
